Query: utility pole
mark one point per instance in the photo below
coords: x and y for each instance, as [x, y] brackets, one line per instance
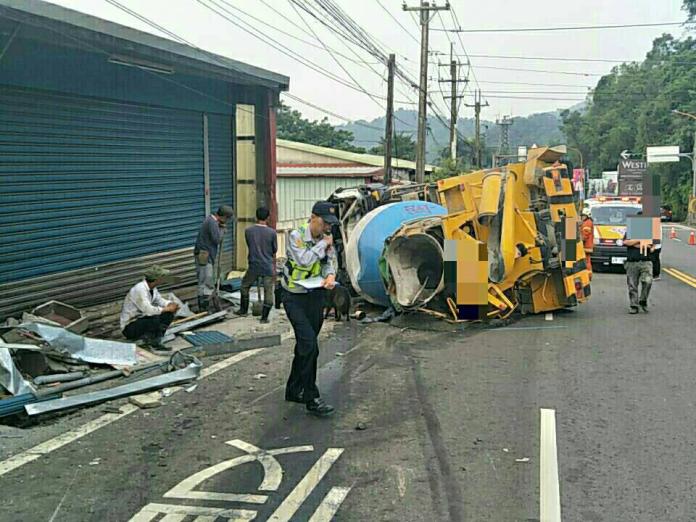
[424, 10]
[504, 143]
[453, 97]
[389, 131]
[477, 113]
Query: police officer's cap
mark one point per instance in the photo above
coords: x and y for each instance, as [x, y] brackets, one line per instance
[325, 211]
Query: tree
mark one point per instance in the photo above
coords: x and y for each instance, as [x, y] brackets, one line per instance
[690, 7]
[631, 108]
[403, 147]
[292, 126]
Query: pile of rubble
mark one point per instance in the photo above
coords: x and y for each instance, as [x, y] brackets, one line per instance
[47, 364]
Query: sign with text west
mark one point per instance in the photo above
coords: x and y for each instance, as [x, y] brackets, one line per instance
[630, 176]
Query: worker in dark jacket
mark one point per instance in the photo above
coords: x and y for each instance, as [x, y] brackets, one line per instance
[262, 244]
[311, 257]
[205, 252]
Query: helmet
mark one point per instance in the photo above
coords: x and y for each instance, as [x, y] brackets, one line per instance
[586, 212]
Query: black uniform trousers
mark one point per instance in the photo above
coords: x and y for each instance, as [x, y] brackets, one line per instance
[306, 315]
[148, 327]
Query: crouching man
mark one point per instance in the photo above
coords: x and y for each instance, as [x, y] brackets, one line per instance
[145, 314]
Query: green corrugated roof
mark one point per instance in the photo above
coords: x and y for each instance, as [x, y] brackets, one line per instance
[47, 16]
[355, 157]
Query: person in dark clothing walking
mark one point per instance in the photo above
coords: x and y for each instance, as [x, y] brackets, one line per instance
[638, 272]
[310, 256]
[262, 244]
[205, 252]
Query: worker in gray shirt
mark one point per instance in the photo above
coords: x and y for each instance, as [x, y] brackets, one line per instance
[262, 244]
[205, 252]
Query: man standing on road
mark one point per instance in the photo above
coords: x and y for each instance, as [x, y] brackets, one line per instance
[145, 314]
[205, 252]
[587, 231]
[638, 272]
[655, 258]
[310, 254]
[262, 243]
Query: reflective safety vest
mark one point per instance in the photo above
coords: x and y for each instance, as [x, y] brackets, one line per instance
[296, 272]
[587, 233]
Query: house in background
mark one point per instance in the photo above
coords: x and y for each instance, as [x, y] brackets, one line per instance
[308, 173]
[115, 144]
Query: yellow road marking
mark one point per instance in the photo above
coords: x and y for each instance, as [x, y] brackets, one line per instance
[684, 274]
[679, 277]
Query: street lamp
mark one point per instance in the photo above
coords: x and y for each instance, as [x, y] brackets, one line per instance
[692, 156]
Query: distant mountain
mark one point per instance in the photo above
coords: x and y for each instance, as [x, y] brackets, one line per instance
[542, 128]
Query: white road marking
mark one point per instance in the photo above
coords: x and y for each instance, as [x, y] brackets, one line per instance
[304, 488]
[151, 511]
[273, 474]
[30, 455]
[550, 496]
[328, 507]
[549, 316]
[677, 239]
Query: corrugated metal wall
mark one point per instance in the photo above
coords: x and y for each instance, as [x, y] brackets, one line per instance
[221, 175]
[297, 195]
[93, 191]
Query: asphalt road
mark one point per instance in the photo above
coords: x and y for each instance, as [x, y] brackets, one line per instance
[433, 422]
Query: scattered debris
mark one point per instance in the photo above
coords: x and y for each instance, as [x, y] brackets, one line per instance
[98, 351]
[360, 426]
[111, 409]
[506, 450]
[340, 354]
[522, 460]
[59, 377]
[10, 378]
[259, 376]
[95, 462]
[145, 401]
[63, 315]
[189, 373]
[191, 388]
[206, 338]
[187, 325]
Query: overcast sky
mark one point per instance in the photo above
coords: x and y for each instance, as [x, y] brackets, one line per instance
[191, 20]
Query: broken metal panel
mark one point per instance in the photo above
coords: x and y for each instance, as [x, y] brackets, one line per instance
[97, 351]
[191, 372]
[10, 378]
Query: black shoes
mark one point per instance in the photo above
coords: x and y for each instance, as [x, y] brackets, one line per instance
[644, 305]
[319, 408]
[633, 310]
[243, 306]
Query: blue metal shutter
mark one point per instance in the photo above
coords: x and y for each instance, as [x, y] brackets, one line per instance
[221, 175]
[87, 182]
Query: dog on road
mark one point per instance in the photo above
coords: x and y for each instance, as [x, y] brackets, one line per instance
[338, 300]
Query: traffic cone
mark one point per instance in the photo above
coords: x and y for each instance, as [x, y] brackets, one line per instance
[673, 233]
[692, 238]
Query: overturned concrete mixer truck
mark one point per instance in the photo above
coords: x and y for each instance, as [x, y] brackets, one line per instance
[497, 241]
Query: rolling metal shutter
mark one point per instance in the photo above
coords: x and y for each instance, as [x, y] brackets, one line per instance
[89, 183]
[221, 175]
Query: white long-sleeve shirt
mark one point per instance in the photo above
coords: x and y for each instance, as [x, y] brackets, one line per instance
[141, 301]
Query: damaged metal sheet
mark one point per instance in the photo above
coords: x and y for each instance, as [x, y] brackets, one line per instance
[191, 372]
[96, 351]
[10, 378]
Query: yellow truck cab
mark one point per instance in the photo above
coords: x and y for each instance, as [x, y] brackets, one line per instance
[610, 218]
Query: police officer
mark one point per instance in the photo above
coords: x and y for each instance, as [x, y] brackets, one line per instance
[310, 254]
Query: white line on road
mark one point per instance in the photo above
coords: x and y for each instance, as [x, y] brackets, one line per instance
[328, 507]
[30, 455]
[549, 491]
[304, 488]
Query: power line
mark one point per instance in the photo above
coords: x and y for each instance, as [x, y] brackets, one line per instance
[538, 71]
[552, 28]
[398, 23]
[539, 84]
[564, 59]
